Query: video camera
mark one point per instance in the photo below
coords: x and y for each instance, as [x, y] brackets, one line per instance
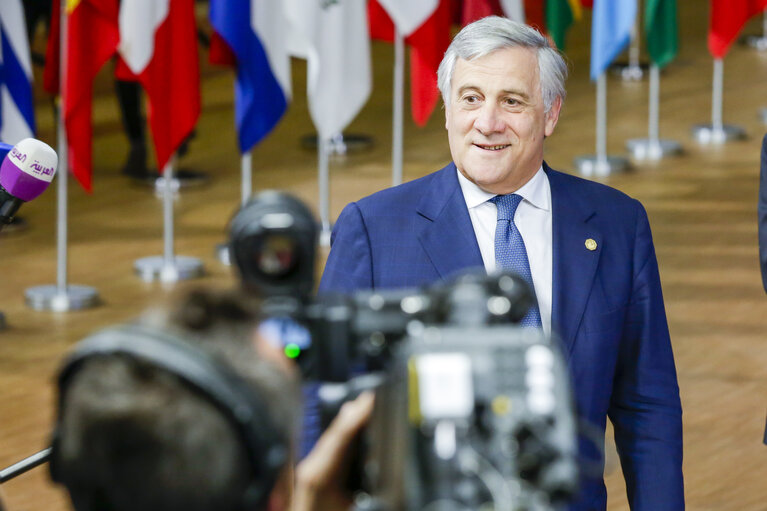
[471, 409]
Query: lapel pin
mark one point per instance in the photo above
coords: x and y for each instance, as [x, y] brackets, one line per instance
[591, 244]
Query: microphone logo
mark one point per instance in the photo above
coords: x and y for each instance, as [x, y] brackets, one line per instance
[28, 169]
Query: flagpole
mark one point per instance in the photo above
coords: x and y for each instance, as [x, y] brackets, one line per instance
[398, 107]
[634, 70]
[601, 164]
[247, 177]
[168, 267]
[61, 297]
[717, 132]
[653, 147]
[323, 181]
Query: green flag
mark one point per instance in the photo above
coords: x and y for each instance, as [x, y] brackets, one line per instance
[662, 31]
[560, 14]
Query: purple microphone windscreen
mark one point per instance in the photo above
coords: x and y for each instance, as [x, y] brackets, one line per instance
[28, 169]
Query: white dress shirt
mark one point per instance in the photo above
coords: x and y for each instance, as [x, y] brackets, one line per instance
[532, 218]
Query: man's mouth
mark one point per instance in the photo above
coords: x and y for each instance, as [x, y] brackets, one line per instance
[497, 147]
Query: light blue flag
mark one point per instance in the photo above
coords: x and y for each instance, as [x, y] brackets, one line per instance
[17, 115]
[611, 25]
[256, 32]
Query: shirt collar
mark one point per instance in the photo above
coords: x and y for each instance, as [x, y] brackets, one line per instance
[534, 191]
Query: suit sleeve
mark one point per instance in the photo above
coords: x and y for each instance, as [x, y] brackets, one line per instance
[350, 264]
[645, 408]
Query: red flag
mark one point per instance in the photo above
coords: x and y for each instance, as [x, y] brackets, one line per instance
[158, 42]
[92, 36]
[727, 19]
[220, 53]
[427, 47]
[535, 15]
[589, 4]
[477, 9]
[51, 69]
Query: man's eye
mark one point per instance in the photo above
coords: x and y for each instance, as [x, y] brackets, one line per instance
[471, 99]
[511, 102]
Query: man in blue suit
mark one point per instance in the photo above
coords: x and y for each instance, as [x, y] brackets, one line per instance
[588, 247]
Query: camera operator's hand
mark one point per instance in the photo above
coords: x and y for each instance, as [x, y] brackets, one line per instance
[320, 476]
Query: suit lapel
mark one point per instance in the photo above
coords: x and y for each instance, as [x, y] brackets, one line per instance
[574, 264]
[448, 236]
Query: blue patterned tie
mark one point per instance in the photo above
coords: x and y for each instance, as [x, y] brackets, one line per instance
[510, 252]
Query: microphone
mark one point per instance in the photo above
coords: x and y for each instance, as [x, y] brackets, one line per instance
[25, 173]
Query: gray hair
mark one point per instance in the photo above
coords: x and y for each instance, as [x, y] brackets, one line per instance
[494, 33]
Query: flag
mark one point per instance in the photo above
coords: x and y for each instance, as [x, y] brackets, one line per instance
[428, 43]
[408, 15]
[535, 14]
[333, 36]
[662, 30]
[477, 9]
[92, 36]
[158, 46]
[727, 19]
[255, 31]
[17, 115]
[611, 25]
[560, 14]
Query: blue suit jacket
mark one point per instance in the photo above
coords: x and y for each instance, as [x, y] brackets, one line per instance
[607, 308]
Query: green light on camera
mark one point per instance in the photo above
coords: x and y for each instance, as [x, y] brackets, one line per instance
[292, 350]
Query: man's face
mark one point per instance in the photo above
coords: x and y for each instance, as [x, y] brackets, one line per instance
[495, 120]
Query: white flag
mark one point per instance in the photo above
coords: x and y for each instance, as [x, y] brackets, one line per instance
[514, 10]
[333, 36]
[408, 15]
[17, 116]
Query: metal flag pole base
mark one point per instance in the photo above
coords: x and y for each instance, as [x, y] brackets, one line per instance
[647, 149]
[591, 165]
[340, 144]
[154, 268]
[325, 231]
[629, 72]
[182, 178]
[52, 298]
[757, 42]
[763, 115]
[223, 254]
[706, 134]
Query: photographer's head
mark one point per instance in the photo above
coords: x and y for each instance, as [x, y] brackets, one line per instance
[172, 414]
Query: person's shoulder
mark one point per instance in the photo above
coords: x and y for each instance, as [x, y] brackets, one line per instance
[410, 193]
[593, 192]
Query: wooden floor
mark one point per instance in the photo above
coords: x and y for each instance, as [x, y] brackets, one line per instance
[702, 208]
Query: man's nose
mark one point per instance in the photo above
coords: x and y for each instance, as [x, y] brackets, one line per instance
[488, 119]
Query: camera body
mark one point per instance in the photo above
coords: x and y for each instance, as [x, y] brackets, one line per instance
[471, 409]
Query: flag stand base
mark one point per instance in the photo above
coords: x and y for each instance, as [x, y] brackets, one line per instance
[629, 72]
[763, 115]
[706, 134]
[646, 149]
[757, 42]
[223, 254]
[591, 165]
[182, 178]
[50, 298]
[325, 236]
[340, 145]
[153, 268]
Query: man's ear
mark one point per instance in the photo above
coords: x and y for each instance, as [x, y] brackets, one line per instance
[552, 116]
